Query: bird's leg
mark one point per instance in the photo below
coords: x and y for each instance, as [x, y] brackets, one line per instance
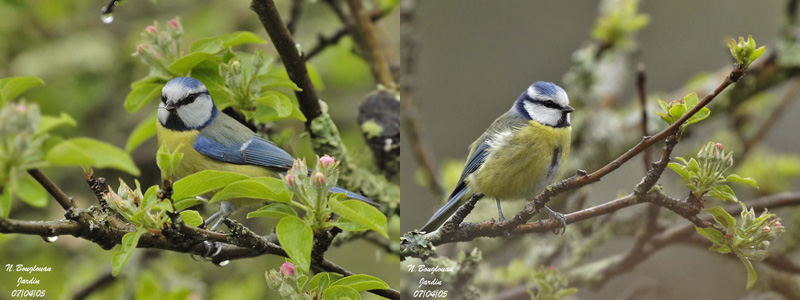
[225, 209]
[558, 217]
[500, 211]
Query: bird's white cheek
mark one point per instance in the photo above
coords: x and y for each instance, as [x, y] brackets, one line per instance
[195, 114]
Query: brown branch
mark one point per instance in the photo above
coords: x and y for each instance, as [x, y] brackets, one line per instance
[62, 198]
[291, 57]
[369, 43]
[98, 283]
[333, 38]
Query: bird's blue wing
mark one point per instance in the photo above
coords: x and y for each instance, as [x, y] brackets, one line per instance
[254, 151]
[473, 163]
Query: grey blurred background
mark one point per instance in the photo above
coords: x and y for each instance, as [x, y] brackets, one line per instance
[476, 57]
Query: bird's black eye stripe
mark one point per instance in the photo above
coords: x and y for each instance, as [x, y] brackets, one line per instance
[163, 98]
[551, 104]
[191, 97]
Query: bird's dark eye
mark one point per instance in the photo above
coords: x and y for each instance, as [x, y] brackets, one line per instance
[550, 104]
[164, 99]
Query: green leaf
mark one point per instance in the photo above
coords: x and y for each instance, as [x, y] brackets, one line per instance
[191, 218]
[677, 110]
[267, 188]
[30, 191]
[680, 170]
[211, 45]
[270, 82]
[296, 238]
[168, 161]
[226, 40]
[739, 179]
[274, 210]
[699, 116]
[361, 213]
[186, 203]
[347, 225]
[129, 242]
[277, 101]
[722, 217]
[757, 53]
[341, 292]
[90, 152]
[322, 280]
[143, 132]
[47, 123]
[690, 100]
[694, 166]
[664, 105]
[715, 236]
[11, 87]
[203, 182]
[182, 65]
[207, 72]
[141, 95]
[723, 192]
[751, 272]
[361, 282]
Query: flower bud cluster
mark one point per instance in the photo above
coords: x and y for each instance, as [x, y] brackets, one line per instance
[311, 187]
[243, 85]
[128, 203]
[755, 234]
[287, 282]
[20, 145]
[714, 162]
[159, 48]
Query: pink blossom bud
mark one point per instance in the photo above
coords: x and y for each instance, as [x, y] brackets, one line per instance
[778, 224]
[140, 48]
[21, 108]
[765, 229]
[287, 269]
[719, 146]
[290, 180]
[150, 29]
[327, 162]
[318, 178]
[173, 23]
[680, 100]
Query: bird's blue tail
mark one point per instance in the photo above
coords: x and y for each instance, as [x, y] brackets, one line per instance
[445, 212]
[353, 195]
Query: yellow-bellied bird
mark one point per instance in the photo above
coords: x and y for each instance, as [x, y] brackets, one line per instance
[519, 154]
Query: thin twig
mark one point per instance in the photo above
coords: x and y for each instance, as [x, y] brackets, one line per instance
[369, 43]
[97, 284]
[333, 38]
[295, 10]
[641, 79]
[62, 198]
[774, 116]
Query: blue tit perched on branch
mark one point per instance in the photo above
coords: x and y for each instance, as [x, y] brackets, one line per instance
[519, 154]
[214, 141]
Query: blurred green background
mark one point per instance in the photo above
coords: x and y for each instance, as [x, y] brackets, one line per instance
[87, 67]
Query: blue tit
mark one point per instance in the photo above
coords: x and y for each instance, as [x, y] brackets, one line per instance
[214, 141]
[519, 154]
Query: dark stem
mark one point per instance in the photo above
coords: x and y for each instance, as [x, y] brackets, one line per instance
[333, 38]
[295, 10]
[62, 198]
[641, 79]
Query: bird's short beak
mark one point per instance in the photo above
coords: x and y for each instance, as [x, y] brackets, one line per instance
[568, 108]
[170, 107]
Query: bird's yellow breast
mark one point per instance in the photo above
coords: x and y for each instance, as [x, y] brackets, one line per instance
[522, 162]
[194, 161]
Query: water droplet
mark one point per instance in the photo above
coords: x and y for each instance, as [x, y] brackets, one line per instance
[50, 239]
[223, 263]
[107, 18]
